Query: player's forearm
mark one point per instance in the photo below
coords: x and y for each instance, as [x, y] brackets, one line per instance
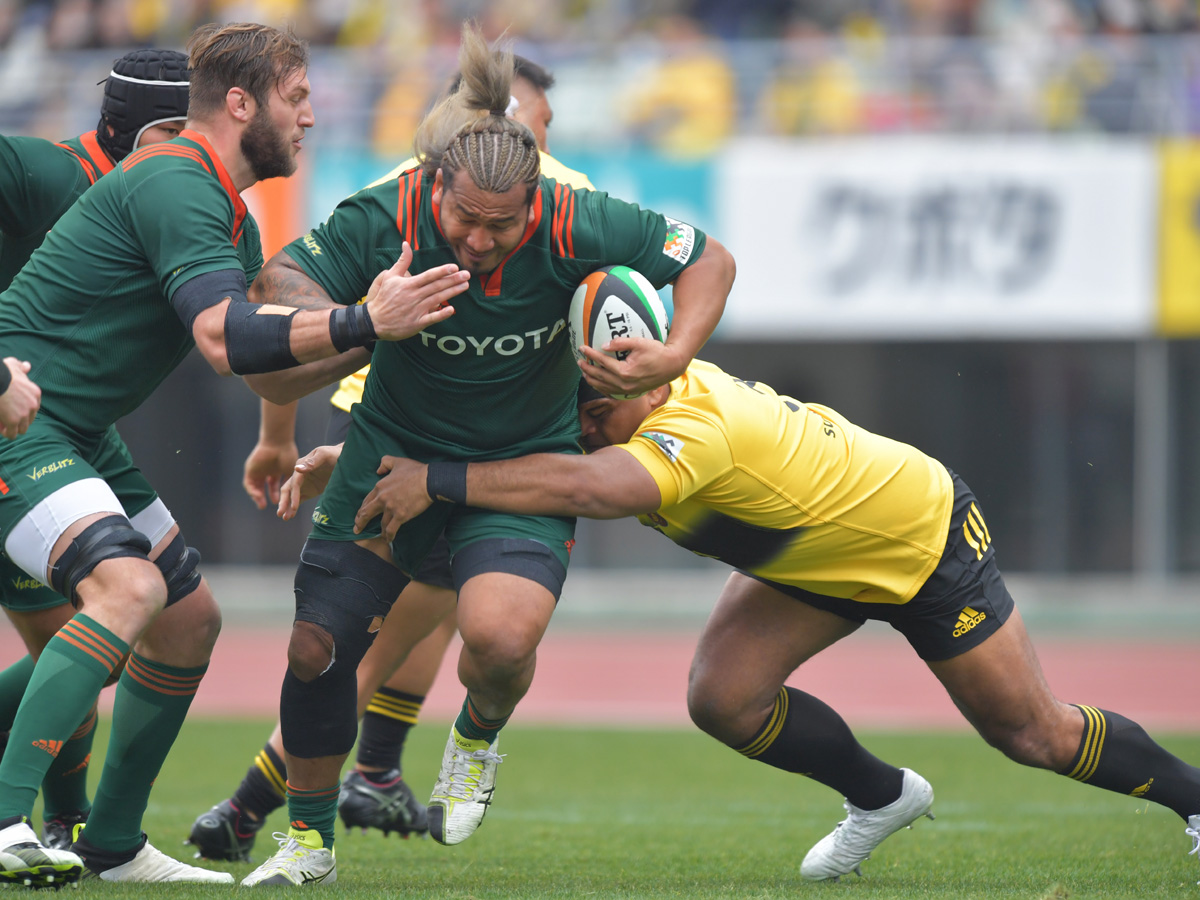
[283, 282]
[599, 486]
[276, 423]
[699, 296]
[288, 385]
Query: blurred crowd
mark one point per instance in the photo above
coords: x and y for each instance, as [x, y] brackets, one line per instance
[74, 24]
[684, 75]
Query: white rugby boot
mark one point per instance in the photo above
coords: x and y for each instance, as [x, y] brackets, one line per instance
[24, 860]
[152, 866]
[1193, 831]
[464, 788]
[845, 848]
[301, 859]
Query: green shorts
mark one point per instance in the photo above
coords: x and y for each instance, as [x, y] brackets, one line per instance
[21, 592]
[44, 460]
[368, 441]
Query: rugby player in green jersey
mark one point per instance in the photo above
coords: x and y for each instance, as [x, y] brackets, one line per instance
[144, 102]
[827, 525]
[152, 261]
[374, 793]
[494, 380]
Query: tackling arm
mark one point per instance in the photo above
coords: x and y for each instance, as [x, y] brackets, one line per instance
[607, 484]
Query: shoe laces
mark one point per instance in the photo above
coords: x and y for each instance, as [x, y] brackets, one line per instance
[289, 849]
[1194, 834]
[467, 768]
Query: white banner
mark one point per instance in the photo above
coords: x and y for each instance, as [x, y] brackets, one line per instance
[939, 238]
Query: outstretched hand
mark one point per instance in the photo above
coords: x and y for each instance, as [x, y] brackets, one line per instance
[265, 470]
[402, 305]
[311, 475]
[648, 364]
[398, 497]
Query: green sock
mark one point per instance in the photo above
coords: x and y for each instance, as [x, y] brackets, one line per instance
[313, 811]
[152, 700]
[64, 789]
[64, 685]
[13, 682]
[474, 727]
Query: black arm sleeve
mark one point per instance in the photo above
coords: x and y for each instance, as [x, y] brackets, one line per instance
[197, 294]
[255, 341]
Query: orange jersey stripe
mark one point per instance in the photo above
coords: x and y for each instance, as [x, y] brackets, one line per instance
[569, 223]
[99, 158]
[158, 150]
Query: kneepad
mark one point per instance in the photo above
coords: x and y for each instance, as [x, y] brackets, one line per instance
[178, 564]
[108, 538]
[345, 591]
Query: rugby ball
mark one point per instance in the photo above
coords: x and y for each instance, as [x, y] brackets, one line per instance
[613, 302]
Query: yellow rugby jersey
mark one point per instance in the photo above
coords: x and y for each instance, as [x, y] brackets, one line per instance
[792, 492]
[350, 388]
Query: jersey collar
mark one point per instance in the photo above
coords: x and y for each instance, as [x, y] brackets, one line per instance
[239, 205]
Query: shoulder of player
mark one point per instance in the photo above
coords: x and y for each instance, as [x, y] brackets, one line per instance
[556, 171]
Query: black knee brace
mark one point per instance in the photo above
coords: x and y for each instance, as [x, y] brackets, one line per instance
[346, 591]
[108, 538]
[178, 564]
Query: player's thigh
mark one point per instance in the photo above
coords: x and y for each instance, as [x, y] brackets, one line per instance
[509, 571]
[754, 639]
[1000, 688]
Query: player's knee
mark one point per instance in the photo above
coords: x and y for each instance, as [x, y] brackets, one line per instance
[1030, 745]
[503, 655]
[111, 537]
[715, 712]
[203, 614]
[310, 651]
[141, 589]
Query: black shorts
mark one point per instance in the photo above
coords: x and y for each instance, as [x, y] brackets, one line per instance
[960, 605]
[435, 568]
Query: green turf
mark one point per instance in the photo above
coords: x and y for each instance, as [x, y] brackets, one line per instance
[625, 814]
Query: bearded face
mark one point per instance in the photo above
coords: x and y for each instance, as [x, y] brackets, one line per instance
[267, 148]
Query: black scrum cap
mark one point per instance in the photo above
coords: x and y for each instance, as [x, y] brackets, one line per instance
[144, 88]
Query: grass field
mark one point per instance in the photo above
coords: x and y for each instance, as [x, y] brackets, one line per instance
[627, 814]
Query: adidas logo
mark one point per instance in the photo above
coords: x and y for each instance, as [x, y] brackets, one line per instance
[1141, 791]
[51, 747]
[968, 619]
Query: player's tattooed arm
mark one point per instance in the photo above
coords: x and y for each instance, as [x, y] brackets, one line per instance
[284, 283]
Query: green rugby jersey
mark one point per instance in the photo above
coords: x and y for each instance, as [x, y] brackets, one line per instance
[91, 309]
[498, 376]
[38, 183]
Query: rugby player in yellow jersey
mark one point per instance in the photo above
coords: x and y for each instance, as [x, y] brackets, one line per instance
[398, 671]
[827, 525]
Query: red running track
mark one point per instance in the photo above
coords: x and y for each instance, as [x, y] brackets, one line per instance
[635, 679]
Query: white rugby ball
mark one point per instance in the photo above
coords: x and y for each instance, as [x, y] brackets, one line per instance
[612, 302]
